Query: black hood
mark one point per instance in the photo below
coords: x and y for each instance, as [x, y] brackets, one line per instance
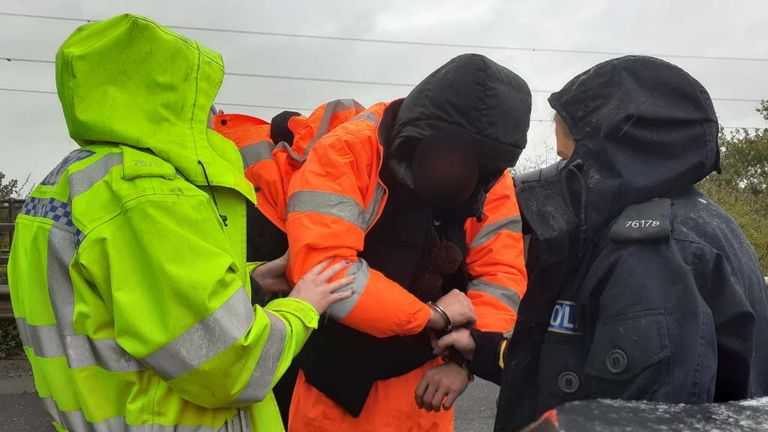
[472, 96]
[642, 127]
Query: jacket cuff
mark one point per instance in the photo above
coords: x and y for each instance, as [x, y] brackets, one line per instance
[419, 319]
[298, 308]
[485, 361]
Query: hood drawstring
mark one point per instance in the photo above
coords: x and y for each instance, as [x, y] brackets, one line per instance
[576, 167]
[213, 196]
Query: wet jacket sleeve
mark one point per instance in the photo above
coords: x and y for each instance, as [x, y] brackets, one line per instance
[735, 320]
[486, 361]
[495, 259]
[179, 304]
[655, 335]
[332, 201]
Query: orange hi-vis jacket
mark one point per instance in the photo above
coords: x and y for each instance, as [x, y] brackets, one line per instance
[270, 166]
[337, 196]
[329, 206]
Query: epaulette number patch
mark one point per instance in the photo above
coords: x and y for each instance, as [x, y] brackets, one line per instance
[642, 223]
[648, 221]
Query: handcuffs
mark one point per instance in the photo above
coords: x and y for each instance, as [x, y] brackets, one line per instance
[452, 354]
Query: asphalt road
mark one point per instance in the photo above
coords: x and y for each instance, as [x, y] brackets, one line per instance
[476, 409]
[21, 410]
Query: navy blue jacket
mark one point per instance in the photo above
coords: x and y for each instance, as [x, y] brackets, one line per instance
[639, 286]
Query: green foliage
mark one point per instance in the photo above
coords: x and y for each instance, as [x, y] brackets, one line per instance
[742, 188]
[7, 188]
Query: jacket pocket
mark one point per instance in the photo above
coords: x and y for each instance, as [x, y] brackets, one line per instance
[560, 370]
[630, 358]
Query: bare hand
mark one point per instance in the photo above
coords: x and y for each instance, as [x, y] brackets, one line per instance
[441, 386]
[459, 310]
[459, 339]
[315, 289]
[271, 276]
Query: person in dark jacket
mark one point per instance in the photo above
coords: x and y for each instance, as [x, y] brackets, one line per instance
[640, 287]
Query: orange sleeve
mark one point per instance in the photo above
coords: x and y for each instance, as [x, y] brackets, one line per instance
[332, 202]
[496, 259]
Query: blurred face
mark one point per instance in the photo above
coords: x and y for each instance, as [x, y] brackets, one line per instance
[565, 143]
[444, 175]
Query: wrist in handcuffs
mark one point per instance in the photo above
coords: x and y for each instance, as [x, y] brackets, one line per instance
[448, 324]
[463, 364]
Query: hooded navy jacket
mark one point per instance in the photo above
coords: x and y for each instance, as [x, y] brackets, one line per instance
[640, 287]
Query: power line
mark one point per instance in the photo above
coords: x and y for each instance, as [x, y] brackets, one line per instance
[331, 80]
[340, 81]
[278, 77]
[27, 60]
[246, 105]
[49, 92]
[16, 90]
[277, 107]
[408, 42]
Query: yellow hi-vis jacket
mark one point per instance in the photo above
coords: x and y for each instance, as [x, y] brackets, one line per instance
[128, 276]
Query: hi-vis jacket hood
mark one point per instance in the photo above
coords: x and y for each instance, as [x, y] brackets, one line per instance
[476, 99]
[643, 128]
[161, 106]
[126, 274]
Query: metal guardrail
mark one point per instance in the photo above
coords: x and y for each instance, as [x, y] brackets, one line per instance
[5, 303]
[9, 209]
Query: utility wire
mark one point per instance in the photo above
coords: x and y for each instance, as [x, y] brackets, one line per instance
[407, 42]
[338, 81]
[279, 77]
[18, 90]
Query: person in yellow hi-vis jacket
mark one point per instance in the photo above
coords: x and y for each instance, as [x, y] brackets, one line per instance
[127, 273]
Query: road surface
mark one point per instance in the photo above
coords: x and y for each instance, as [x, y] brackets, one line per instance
[21, 411]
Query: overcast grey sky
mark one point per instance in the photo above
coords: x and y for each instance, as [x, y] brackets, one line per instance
[33, 136]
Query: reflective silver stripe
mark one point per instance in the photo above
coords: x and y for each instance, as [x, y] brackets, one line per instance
[75, 421]
[337, 205]
[254, 153]
[508, 296]
[82, 180]
[80, 351]
[360, 271]
[327, 203]
[512, 224]
[263, 375]
[61, 244]
[76, 156]
[50, 405]
[373, 207]
[367, 116]
[61, 251]
[46, 341]
[60, 212]
[331, 108]
[209, 337]
[83, 351]
[61, 339]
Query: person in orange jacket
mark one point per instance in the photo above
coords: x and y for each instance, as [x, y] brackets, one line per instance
[270, 153]
[414, 193]
[270, 167]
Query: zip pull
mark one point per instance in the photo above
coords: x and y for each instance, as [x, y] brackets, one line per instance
[213, 196]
